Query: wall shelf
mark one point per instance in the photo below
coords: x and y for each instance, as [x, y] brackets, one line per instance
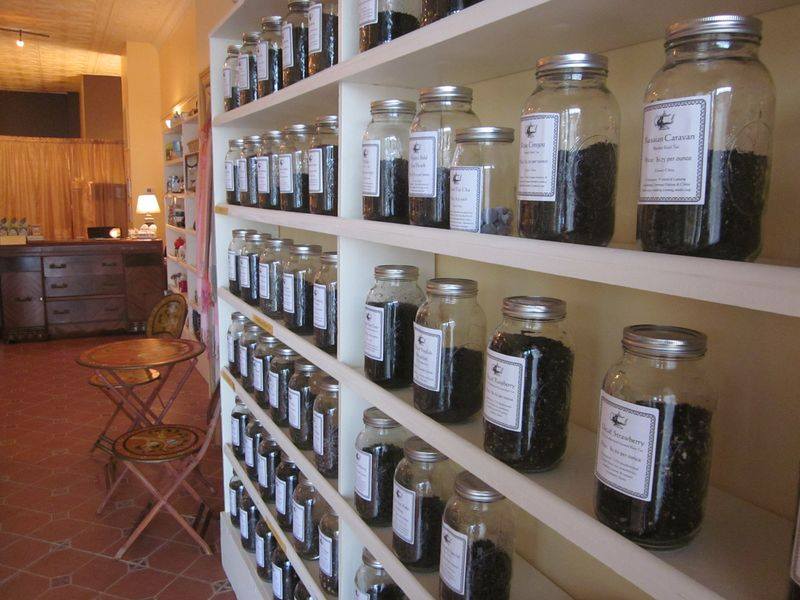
[240, 565]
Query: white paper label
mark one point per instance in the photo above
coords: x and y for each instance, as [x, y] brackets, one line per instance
[361, 595]
[364, 474]
[403, 513]
[319, 421]
[262, 53]
[325, 554]
[538, 157]
[315, 28]
[227, 83]
[233, 265]
[244, 526]
[466, 198]
[422, 162]
[243, 363]
[241, 173]
[294, 409]
[453, 559]
[277, 582]
[674, 149]
[315, 171]
[427, 357]
[233, 507]
[370, 168]
[243, 80]
[288, 293]
[258, 374]
[287, 46]
[229, 179]
[320, 306]
[286, 173]
[261, 468]
[626, 446]
[244, 271]
[272, 392]
[298, 522]
[280, 496]
[262, 174]
[231, 357]
[373, 332]
[248, 451]
[235, 439]
[503, 391]
[367, 12]
[260, 551]
[263, 281]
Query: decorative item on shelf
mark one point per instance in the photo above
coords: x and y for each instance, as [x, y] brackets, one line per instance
[175, 184]
[192, 161]
[15, 231]
[179, 248]
[147, 204]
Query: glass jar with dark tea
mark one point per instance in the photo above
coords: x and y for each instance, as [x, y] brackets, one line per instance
[307, 508]
[449, 342]
[329, 552]
[323, 170]
[269, 66]
[423, 482]
[481, 183]
[247, 76]
[239, 416]
[266, 543]
[248, 518]
[247, 171]
[280, 371]
[235, 489]
[232, 161]
[381, 21]
[270, 276]
[373, 582]
[568, 152]
[253, 434]
[326, 427]
[477, 543]
[293, 168]
[301, 592]
[713, 103]
[323, 35]
[443, 109]
[384, 161]
[235, 330]
[379, 448]
[294, 42]
[230, 78]
[266, 170]
[298, 287]
[526, 396]
[248, 267]
[654, 437]
[235, 249]
[301, 403]
[325, 286]
[284, 577]
[287, 477]
[247, 343]
[389, 314]
[268, 457]
[433, 10]
[265, 348]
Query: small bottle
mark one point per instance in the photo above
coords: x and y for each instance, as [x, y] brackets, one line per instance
[248, 267]
[286, 479]
[235, 247]
[248, 518]
[269, 67]
[325, 302]
[323, 35]
[323, 169]
[284, 577]
[247, 343]
[326, 427]
[381, 21]
[294, 42]
[247, 76]
[379, 448]
[329, 553]
[268, 457]
[293, 168]
[270, 276]
[266, 543]
[235, 329]
[235, 489]
[232, 160]
[253, 434]
[263, 352]
[298, 287]
[268, 192]
[307, 508]
[373, 582]
[280, 371]
[239, 416]
[248, 172]
[301, 404]
[230, 78]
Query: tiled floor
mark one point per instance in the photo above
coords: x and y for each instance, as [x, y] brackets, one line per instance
[52, 544]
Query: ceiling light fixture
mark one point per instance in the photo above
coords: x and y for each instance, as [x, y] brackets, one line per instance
[20, 41]
[19, 33]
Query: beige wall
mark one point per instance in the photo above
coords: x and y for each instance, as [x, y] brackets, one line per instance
[208, 14]
[178, 63]
[101, 107]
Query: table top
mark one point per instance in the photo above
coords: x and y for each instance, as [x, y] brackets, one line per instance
[140, 353]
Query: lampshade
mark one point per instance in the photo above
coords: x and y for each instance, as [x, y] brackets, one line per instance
[147, 203]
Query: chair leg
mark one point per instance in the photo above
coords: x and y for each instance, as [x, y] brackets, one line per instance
[113, 488]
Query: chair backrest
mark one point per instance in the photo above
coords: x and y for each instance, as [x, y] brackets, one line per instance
[167, 317]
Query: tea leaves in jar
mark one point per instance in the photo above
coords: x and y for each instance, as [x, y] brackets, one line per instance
[329, 553]
[389, 360]
[379, 25]
[326, 427]
[284, 577]
[294, 42]
[323, 36]
[301, 404]
[286, 479]
[280, 372]
[266, 543]
[269, 68]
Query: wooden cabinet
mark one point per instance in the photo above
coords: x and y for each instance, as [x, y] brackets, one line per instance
[23, 304]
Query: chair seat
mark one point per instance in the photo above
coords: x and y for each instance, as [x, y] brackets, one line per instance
[131, 378]
[159, 443]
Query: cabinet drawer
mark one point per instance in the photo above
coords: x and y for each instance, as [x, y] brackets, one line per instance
[23, 305]
[90, 264]
[85, 310]
[85, 285]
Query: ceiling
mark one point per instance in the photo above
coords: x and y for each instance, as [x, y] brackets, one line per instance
[86, 37]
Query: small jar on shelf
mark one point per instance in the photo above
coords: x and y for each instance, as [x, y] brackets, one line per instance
[268, 57]
[266, 543]
[235, 248]
[248, 171]
[323, 169]
[287, 477]
[248, 518]
[247, 344]
[379, 449]
[449, 343]
[267, 178]
[280, 371]
[323, 35]
[307, 507]
[253, 434]
[329, 553]
[433, 10]
[239, 417]
[235, 330]
[247, 75]
[270, 276]
[384, 164]
[301, 404]
[373, 582]
[294, 42]
[284, 577]
[235, 490]
[232, 160]
[248, 267]
[268, 457]
[325, 307]
[326, 427]
[230, 78]
[298, 287]
[293, 168]
[381, 21]
[265, 349]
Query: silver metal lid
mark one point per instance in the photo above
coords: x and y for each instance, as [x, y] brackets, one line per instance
[446, 286]
[297, 129]
[397, 272]
[576, 61]
[237, 143]
[251, 37]
[393, 105]
[286, 351]
[272, 23]
[295, 5]
[457, 93]
[257, 237]
[272, 135]
[234, 48]
[278, 242]
[470, 487]
[304, 365]
[734, 25]
[331, 121]
[538, 308]
[330, 258]
[419, 450]
[252, 327]
[485, 134]
[242, 233]
[253, 139]
[305, 249]
[369, 560]
[664, 341]
[237, 316]
[375, 417]
[268, 339]
[328, 384]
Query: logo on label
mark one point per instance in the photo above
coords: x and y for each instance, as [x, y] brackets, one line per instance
[664, 121]
[364, 152]
[369, 316]
[421, 341]
[397, 493]
[618, 420]
[497, 369]
[457, 178]
[416, 148]
[530, 130]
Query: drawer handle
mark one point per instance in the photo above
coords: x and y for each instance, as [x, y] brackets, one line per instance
[60, 312]
[25, 299]
[58, 265]
[59, 286]
[109, 264]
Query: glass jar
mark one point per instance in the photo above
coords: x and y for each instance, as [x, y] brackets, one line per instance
[270, 276]
[301, 592]
[284, 577]
[294, 42]
[329, 553]
[423, 482]
[235, 247]
[326, 427]
[433, 10]
[232, 160]
[298, 287]
[323, 170]
[528, 381]
[384, 164]
[654, 438]
[293, 168]
[248, 517]
[235, 489]
[568, 152]
[230, 78]
[714, 102]
[235, 329]
[280, 371]
[301, 404]
[266, 543]
[248, 267]
[379, 448]
[253, 434]
[449, 342]
[265, 349]
[247, 343]
[389, 314]
[381, 21]
[267, 170]
[239, 416]
[308, 507]
[443, 109]
[373, 582]
[247, 75]
[325, 288]
[477, 543]
[481, 181]
[268, 457]
[323, 35]
[287, 476]
[269, 67]
[247, 171]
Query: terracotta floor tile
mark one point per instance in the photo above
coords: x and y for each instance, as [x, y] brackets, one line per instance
[96, 538]
[100, 573]
[60, 530]
[7, 538]
[207, 568]
[20, 520]
[224, 596]
[6, 572]
[23, 552]
[141, 584]
[60, 562]
[173, 557]
[143, 547]
[23, 585]
[68, 592]
[186, 589]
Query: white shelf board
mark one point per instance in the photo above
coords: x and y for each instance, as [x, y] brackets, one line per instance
[176, 228]
[756, 286]
[240, 565]
[182, 263]
[741, 552]
[174, 162]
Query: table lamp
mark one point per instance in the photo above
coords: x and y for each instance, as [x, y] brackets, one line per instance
[147, 204]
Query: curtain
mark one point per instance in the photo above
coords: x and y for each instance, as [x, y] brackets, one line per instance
[56, 183]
